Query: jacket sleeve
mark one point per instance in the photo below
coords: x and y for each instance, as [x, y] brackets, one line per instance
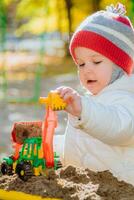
[112, 124]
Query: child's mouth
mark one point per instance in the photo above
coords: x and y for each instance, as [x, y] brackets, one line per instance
[91, 81]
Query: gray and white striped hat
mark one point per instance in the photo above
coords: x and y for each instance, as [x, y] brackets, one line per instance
[109, 32]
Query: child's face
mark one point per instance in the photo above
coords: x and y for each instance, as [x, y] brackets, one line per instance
[95, 70]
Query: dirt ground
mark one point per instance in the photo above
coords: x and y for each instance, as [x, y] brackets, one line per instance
[72, 183]
[27, 130]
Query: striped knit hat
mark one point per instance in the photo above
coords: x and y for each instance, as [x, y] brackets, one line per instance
[110, 33]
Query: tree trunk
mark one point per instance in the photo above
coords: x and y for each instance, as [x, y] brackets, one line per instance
[96, 5]
[69, 6]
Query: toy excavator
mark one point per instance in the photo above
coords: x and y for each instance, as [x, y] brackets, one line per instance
[34, 155]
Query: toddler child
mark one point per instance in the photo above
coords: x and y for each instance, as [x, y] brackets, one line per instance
[100, 129]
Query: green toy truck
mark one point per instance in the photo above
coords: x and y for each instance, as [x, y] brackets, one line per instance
[30, 161]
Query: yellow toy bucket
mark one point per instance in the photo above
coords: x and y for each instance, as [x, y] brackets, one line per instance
[13, 195]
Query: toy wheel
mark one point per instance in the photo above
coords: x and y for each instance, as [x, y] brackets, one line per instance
[6, 169]
[24, 170]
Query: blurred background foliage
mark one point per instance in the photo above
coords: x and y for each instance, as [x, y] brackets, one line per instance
[35, 17]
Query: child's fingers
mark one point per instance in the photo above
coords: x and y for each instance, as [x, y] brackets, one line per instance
[65, 90]
[68, 97]
[59, 89]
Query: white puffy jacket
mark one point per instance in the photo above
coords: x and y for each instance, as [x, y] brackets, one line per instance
[104, 137]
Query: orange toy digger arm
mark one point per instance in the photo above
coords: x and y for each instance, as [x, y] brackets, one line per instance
[48, 128]
[53, 102]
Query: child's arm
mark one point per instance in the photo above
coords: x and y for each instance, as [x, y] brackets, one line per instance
[112, 124]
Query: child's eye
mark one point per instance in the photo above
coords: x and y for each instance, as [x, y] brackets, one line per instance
[81, 65]
[97, 62]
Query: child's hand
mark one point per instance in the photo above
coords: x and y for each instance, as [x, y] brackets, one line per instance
[72, 98]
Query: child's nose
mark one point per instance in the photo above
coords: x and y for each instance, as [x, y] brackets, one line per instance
[89, 67]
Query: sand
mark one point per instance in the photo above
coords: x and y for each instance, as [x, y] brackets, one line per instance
[72, 183]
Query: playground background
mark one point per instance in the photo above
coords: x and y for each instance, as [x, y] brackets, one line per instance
[34, 57]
